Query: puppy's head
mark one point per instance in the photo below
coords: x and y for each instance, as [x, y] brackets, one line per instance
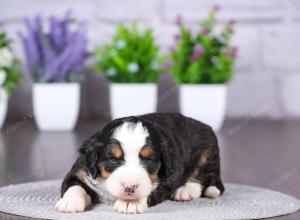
[127, 160]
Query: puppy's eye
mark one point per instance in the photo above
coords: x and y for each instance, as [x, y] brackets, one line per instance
[147, 160]
[150, 164]
[113, 160]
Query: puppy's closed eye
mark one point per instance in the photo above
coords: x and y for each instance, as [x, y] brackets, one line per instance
[148, 159]
[103, 172]
[112, 159]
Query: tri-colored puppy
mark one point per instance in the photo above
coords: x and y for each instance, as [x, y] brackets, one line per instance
[137, 162]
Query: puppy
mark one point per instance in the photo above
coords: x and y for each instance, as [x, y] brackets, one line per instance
[137, 162]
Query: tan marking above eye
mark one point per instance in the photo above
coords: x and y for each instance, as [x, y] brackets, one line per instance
[146, 151]
[103, 172]
[116, 151]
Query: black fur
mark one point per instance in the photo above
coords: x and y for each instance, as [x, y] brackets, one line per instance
[178, 143]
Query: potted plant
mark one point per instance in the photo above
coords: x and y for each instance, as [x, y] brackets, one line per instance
[130, 62]
[9, 75]
[202, 63]
[55, 60]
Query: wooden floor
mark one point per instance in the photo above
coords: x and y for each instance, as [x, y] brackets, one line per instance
[258, 153]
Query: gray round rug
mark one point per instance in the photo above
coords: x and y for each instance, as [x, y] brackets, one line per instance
[37, 200]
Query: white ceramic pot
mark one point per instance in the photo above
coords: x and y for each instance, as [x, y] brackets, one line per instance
[204, 102]
[3, 106]
[127, 99]
[56, 105]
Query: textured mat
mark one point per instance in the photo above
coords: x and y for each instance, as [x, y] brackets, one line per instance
[238, 202]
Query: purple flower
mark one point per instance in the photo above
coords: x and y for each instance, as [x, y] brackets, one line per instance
[177, 37]
[194, 57]
[204, 30]
[232, 52]
[232, 22]
[178, 20]
[166, 63]
[216, 7]
[57, 55]
[172, 49]
[198, 49]
[230, 29]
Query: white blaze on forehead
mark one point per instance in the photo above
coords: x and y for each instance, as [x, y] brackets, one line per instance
[132, 137]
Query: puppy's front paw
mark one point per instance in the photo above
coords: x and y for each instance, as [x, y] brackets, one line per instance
[188, 192]
[212, 192]
[130, 207]
[74, 200]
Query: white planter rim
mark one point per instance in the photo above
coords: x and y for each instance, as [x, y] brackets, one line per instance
[204, 85]
[56, 83]
[132, 84]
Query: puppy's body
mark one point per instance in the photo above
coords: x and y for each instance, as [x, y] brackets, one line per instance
[136, 162]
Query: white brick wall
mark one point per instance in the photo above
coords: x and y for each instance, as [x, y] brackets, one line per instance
[290, 87]
[254, 10]
[117, 10]
[281, 50]
[248, 39]
[253, 95]
[267, 76]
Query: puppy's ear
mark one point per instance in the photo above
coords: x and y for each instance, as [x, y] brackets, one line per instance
[90, 142]
[92, 159]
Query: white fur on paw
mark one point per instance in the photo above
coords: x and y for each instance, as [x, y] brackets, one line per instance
[212, 192]
[130, 207]
[75, 199]
[188, 192]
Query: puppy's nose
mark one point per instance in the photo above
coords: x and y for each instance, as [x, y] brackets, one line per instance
[130, 189]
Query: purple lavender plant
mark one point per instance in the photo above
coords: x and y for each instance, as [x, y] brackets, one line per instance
[57, 55]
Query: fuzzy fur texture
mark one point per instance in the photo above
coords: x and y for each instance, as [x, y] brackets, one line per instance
[136, 162]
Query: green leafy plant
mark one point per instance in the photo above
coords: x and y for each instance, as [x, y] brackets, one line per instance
[205, 57]
[9, 74]
[131, 56]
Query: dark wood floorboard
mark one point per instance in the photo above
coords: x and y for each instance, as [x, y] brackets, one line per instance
[258, 153]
